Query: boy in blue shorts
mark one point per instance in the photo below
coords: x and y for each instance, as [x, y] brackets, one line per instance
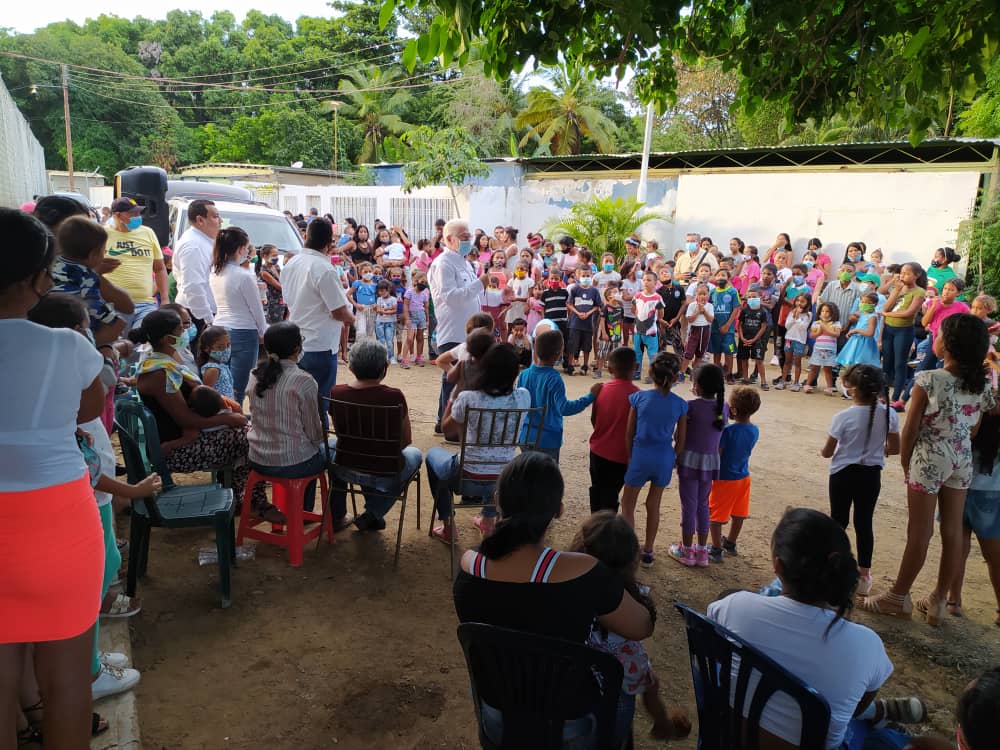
[726, 305]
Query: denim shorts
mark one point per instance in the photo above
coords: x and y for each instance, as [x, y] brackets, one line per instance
[418, 320]
[795, 348]
[982, 513]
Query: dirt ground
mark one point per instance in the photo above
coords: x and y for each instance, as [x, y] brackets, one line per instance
[346, 652]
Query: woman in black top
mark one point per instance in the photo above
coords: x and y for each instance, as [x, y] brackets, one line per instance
[362, 252]
[515, 581]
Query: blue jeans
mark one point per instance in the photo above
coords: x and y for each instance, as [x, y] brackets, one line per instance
[307, 468]
[896, 343]
[323, 367]
[385, 334]
[245, 344]
[652, 344]
[142, 309]
[442, 476]
[446, 387]
[861, 735]
[380, 492]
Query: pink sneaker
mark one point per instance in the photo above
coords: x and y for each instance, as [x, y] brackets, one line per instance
[404, 364]
[683, 555]
[701, 557]
[419, 361]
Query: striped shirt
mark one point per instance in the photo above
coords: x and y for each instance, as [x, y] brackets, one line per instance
[842, 297]
[286, 429]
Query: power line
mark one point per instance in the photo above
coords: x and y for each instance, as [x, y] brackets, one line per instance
[95, 92]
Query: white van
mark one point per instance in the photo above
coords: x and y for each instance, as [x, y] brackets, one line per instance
[265, 225]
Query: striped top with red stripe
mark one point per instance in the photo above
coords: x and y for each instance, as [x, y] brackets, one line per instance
[540, 574]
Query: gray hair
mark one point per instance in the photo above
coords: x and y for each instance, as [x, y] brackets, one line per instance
[697, 237]
[368, 360]
[454, 227]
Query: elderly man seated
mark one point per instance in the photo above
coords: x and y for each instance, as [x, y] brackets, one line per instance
[371, 468]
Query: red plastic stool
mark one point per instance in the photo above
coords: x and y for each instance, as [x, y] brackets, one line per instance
[300, 527]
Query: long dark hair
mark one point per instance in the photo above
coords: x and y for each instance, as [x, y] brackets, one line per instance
[497, 370]
[919, 272]
[711, 381]
[967, 340]
[871, 384]
[818, 567]
[608, 537]
[986, 443]
[227, 243]
[529, 493]
[28, 248]
[977, 713]
[281, 341]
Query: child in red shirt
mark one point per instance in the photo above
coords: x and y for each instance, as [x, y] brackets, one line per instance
[609, 417]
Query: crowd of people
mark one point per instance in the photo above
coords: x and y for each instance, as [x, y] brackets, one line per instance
[215, 330]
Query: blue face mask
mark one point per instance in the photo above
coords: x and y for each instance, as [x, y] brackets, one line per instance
[134, 223]
[754, 303]
[221, 355]
[690, 246]
[808, 264]
[797, 280]
[189, 335]
[608, 267]
[464, 247]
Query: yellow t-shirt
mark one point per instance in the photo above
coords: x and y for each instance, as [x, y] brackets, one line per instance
[136, 250]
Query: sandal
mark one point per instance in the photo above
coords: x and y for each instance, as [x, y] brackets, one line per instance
[894, 605]
[932, 608]
[443, 534]
[954, 609]
[33, 732]
[485, 526]
[123, 606]
[829, 392]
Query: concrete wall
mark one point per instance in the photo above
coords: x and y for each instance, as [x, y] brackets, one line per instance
[907, 214]
[22, 159]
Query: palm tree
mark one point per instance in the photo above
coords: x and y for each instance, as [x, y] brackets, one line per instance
[560, 117]
[602, 224]
[373, 100]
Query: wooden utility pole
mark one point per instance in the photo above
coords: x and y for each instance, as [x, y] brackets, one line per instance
[69, 132]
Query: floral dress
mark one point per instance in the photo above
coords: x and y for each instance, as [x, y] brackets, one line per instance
[942, 454]
[275, 308]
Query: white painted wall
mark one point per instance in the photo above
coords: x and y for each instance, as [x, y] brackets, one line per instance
[907, 214]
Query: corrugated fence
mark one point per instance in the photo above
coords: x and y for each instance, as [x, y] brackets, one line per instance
[22, 159]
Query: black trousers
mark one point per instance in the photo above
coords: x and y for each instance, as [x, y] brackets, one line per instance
[606, 481]
[859, 486]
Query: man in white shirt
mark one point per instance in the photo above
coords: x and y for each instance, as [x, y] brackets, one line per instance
[318, 306]
[456, 293]
[193, 262]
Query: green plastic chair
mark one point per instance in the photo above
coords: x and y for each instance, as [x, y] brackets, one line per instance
[176, 506]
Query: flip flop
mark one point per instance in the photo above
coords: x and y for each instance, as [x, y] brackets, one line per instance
[442, 535]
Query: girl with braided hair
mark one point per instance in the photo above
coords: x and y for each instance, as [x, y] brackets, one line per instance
[860, 438]
[936, 452]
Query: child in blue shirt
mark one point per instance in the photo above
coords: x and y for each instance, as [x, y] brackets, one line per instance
[547, 389]
[729, 500]
[726, 305]
[363, 293]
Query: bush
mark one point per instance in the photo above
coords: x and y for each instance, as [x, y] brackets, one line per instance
[602, 224]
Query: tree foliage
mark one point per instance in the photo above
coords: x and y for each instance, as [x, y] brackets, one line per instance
[600, 223]
[904, 60]
[441, 157]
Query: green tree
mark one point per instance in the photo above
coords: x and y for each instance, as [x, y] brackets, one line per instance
[560, 118]
[373, 100]
[602, 224]
[982, 118]
[438, 157]
[905, 60]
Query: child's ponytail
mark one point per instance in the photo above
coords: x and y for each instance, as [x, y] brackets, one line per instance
[712, 382]
[281, 341]
[967, 340]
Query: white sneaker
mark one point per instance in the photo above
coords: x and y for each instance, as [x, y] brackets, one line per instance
[774, 361]
[112, 681]
[114, 659]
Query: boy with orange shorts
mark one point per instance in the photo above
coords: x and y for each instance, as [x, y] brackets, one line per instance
[729, 500]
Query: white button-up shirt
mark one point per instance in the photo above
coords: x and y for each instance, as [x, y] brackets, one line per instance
[312, 290]
[192, 265]
[238, 299]
[457, 294]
